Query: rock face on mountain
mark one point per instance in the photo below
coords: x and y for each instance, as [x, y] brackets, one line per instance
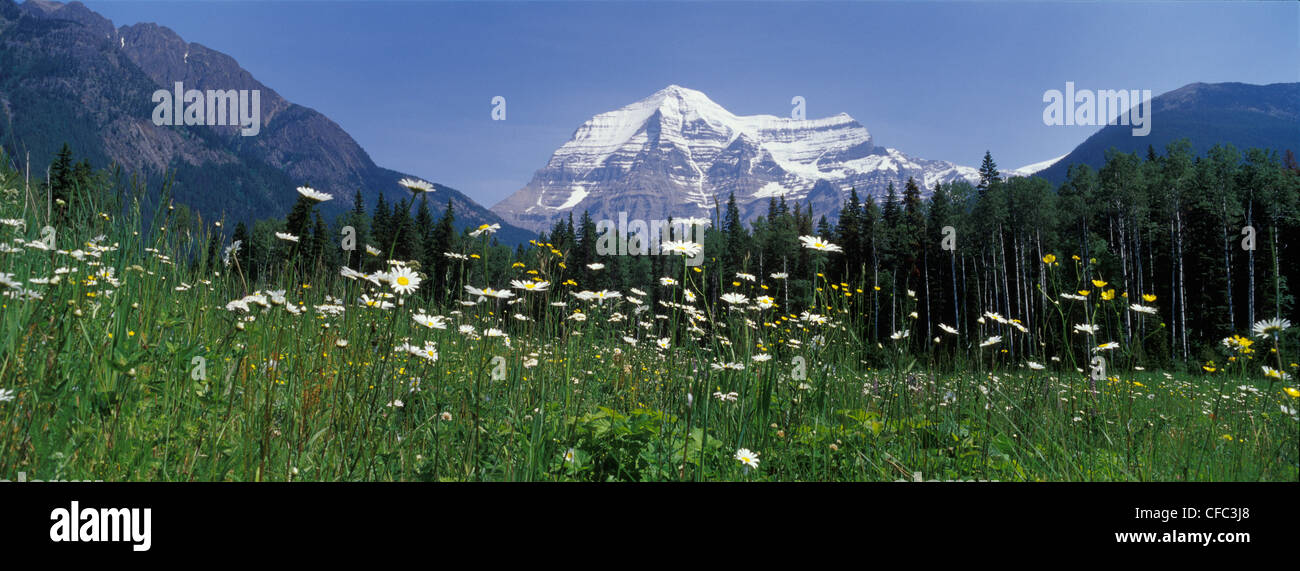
[68, 75]
[677, 153]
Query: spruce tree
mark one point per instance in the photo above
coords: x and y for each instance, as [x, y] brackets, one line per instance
[988, 173]
[320, 244]
[734, 227]
[405, 239]
[357, 220]
[61, 180]
[423, 234]
[382, 228]
[440, 244]
[849, 237]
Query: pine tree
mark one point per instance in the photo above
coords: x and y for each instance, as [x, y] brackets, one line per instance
[321, 249]
[406, 240]
[62, 180]
[734, 260]
[988, 173]
[423, 234]
[382, 228]
[824, 229]
[584, 251]
[849, 237]
[298, 222]
[440, 244]
[890, 219]
[911, 233]
[942, 293]
[357, 220]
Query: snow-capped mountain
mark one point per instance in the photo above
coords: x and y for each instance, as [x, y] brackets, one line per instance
[677, 152]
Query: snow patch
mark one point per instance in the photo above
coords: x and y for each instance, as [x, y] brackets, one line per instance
[770, 190]
[575, 197]
[1035, 167]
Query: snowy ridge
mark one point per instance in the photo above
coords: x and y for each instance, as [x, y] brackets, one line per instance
[677, 152]
[1028, 170]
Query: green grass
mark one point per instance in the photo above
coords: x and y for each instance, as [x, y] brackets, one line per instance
[148, 376]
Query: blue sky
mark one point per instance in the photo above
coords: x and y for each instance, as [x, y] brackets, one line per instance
[413, 81]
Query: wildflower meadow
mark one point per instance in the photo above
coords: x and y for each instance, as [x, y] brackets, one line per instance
[140, 341]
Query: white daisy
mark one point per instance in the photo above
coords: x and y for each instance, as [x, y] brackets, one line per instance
[1143, 308]
[529, 285]
[403, 280]
[681, 248]
[734, 298]
[815, 243]
[748, 458]
[416, 186]
[430, 321]
[489, 292]
[1270, 327]
[313, 194]
[488, 228]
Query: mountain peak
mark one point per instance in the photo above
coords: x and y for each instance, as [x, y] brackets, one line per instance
[675, 89]
[680, 93]
[1242, 114]
[214, 170]
[676, 100]
[46, 6]
[674, 153]
[71, 11]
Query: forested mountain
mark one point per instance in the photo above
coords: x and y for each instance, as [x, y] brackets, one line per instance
[67, 75]
[1206, 114]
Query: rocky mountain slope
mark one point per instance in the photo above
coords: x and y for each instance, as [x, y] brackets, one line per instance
[69, 75]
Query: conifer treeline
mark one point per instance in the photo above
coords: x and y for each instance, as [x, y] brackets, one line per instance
[1168, 225]
[1173, 226]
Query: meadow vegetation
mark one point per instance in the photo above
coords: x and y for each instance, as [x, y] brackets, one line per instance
[158, 346]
